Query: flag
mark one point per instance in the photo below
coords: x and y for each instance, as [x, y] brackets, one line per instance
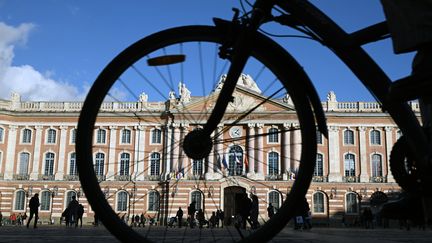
[239, 164]
[246, 162]
[224, 161]
[219, 162]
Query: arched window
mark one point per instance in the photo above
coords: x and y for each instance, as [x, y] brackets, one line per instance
[274, 199]
[319, 165]
[153, 201]
[319, 137]
[73, 170]
[351, 203]
[349, 165]
[126, 136]
[99, 164]
[375, 137]
[318, 202]
[273, 135]
[49, 164]
[235, 160]
[26, 136]
[348, 137]
[273, 163]
[197, 167]
[24, 163]
[20, 200]
[101, 136]
[155, 164]
[45, 201]
[73, 136]
[51, 136]
[196, 196]
[124, 164]
[122, 201]
[69, 196]
[376, 165]
[156, 136]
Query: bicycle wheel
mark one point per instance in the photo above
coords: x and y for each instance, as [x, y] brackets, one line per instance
[267, 134]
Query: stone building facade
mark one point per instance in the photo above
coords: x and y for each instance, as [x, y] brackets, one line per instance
[138, 175]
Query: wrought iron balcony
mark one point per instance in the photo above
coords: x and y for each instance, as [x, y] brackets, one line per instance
[195, 177]
[71, 177]
[101, 177]
[351, 179]
[274, 177]
[320, 179]
[378, 179]
[122, 177]
[21, 177]
[46, 177]
[152, 177]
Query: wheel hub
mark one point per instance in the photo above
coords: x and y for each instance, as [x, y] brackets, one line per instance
[197, 145]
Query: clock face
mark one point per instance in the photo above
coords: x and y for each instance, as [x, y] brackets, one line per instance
[235, 132]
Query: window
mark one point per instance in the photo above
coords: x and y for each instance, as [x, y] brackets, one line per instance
[318, 202]
[73, 136]
[126, 136]
[375, 137]
[156, 136]
[274, 199]
[122, 198]
[153, 201]
[51, 136]
[26, 135]
[319, 137]
[351, 203]
[24, 163]
[319, 165]
[348, 137]
[196, 197]
[45, 201]
[350, 165]
[20, 200]
[73, 170]
[273, 163]
[197, 167]
[49, 164]
[154, 164]
[100, 136]
[273, 135]
[69, 196]
[99, 164]
[376, 165]
[235, 158]
[1, 134]
[124, 164]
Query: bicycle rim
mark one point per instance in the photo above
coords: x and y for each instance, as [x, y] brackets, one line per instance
[269, 113]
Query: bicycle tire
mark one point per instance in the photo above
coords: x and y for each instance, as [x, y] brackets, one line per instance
[267, 52]
[401, 166]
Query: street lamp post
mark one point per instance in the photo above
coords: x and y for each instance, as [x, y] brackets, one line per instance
[133, 194]
[79, 193]
[53, 194]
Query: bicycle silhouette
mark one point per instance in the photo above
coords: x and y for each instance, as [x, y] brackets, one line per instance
[198, 57]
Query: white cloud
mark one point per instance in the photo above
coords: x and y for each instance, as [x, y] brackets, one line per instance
[30, 83]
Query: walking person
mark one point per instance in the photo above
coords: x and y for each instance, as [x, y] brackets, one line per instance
[221, 217]
[142, 220]
[270, 211]
[254, 212]
[34, 210]
[137, 220]
[73, 211]
[179, 216]
[80, 213]
[191, 214]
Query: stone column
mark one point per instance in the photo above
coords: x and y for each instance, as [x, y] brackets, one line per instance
[112, 153]
[333, 154]
[10, 154]
[36, 153]
[176, 147]
[140, 154]
[286, 151]
[389, 146]
[62, 152]
[218, 147]
[259, 152]
[364, 175]
[251, 150]
[296, 147]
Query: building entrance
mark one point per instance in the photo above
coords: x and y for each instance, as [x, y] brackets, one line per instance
[232, 202]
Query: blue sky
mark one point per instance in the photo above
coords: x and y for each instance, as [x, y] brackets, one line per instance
[54, 50]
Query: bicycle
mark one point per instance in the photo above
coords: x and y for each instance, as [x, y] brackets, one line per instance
[241, 48]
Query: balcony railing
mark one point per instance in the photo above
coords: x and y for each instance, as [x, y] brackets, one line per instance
[21, 177]
[71, 177]
[46, 177]
[378, 179]
[101, 177]
[122, 177]
[195, 177]
[275, 177]
[320, 179]
[152, 177]
[350, 179]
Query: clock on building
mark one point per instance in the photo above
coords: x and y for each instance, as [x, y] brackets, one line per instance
[235, 132]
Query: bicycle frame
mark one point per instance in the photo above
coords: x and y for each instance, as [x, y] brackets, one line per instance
[348, 48]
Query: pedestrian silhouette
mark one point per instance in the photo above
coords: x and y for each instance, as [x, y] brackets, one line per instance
[34, 210]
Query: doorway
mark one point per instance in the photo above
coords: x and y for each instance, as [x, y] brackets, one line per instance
[232, 202]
